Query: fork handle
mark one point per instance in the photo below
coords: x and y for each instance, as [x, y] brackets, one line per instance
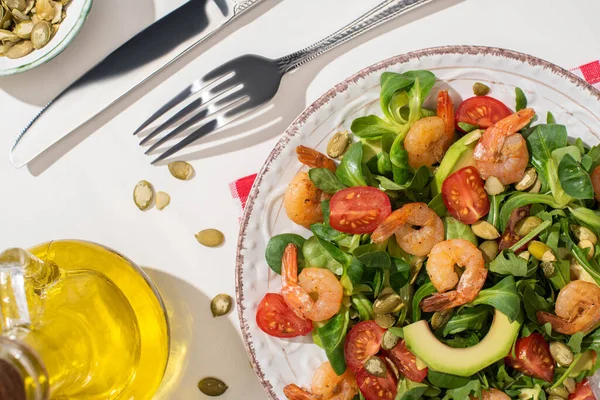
[373, 18]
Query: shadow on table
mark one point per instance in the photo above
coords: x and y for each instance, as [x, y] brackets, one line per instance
[201, 345]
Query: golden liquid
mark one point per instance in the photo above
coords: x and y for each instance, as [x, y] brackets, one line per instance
[103, 332]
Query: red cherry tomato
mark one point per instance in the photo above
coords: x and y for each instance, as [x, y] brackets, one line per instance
[274, 317]
[362, 342]
[582, 391]
[375, 388]
[482, 111]
[464, 195]
[406, 362]
[359, 209]
[533, 357]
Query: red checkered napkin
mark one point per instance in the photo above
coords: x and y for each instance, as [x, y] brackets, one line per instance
[240, 189]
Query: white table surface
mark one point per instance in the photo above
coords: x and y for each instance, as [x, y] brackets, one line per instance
[87, 192]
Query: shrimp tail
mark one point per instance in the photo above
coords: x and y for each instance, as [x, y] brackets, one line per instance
[441, 301]
[294, 392]
[445, 110]
[289, 265]
[566, 327]
[314, 159]
[390, 226]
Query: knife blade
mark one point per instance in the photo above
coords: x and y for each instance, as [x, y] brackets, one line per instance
[126, 68]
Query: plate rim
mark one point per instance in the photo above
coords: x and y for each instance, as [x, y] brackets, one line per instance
[60, 46]
[292, 129]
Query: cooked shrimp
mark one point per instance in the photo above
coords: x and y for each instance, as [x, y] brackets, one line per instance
[302, 201]
[577, 308]
[428, 139]
[493, 394]
[326, 385]
[315, 294]
[440, 268]
[596, 182]
[402, 222]
[501, 151]
[314, 159]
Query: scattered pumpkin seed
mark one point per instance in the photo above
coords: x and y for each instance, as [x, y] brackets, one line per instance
[210, 237]
[537, 186]
[385, 320]
[583, 233]
[577, 272]
[143, 194]
[15, 4]
[387, 303]
[587, 244]
[561, 353]
[393, 367]
[555, 397]
[560, 391]
[23, 29]
[570, 385]
[389, 340]
[376, 367]
[525, 255]
[221, 305]
[489, 250]
[493, 186]
[440, 318]
[480, 89]
[41, 34]
[212, 387]
[548, 268]
[485, 230]
[528, 180]
[181, 170]
[338, 144]
[162, 200]
[526, 225]
[19, 50]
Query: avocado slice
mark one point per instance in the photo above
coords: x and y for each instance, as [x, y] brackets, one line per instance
[462, 362]
[459, 155]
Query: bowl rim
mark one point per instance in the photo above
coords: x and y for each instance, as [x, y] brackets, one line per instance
[59, 48]
[324, 99]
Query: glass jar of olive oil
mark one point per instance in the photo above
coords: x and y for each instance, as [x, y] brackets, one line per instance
[79, 321]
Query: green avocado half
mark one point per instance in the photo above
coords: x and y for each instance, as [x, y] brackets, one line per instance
[462, 362]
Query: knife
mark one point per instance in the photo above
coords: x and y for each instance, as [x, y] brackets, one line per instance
[123, 70]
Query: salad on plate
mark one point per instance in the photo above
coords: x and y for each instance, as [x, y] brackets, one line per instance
[453, 253]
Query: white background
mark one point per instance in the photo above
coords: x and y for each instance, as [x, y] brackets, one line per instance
[86, 193]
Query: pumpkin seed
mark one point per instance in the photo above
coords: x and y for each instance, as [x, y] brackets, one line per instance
[537, 186]
[162, 200]
[587, 244]
[489, 250]
[493, 186]
[376, 367]
[212, 387]
[19, 50]
[526, 225]
[23, 29]
[480, 89]
[181, 170]
[8, 36]
[389, 340]
[338, 144]
[41, 34]
[57, 13]
[561, 353]
[385, 320]
[143, 194]
[440, 318]
[583, 233]
[555, 397]
[524, 255]
[210, 237]
[45, 9]
[15, 4]
[19, 16]
[528, 180]
[548, 268]
[485, 230]
[570, 385]
[221, 305]
[388, 303]
[560, 391]
[393, 367]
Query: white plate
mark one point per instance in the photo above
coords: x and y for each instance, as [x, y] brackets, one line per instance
[77, 12]
[547, 87]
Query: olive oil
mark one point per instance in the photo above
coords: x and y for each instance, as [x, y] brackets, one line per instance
[100, 327]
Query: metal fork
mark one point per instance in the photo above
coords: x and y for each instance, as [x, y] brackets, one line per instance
[244, 83]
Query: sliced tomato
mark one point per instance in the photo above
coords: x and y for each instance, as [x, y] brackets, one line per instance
[510, 237]
[375, 388]
[482, 111]
[274, 317]
[582, 391]
[464, 195]
[362, 342]
[406, 362]
[533, 357]
[359, 209]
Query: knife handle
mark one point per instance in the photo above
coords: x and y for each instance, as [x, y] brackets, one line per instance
[373, 18]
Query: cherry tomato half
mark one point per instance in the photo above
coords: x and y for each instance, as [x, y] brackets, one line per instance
[274, 317]
[464, 195]
[406, 362]
[482, 111]
[582, 391]
[359, 209]
[375, 388]
[532, 357]
[362, 342]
